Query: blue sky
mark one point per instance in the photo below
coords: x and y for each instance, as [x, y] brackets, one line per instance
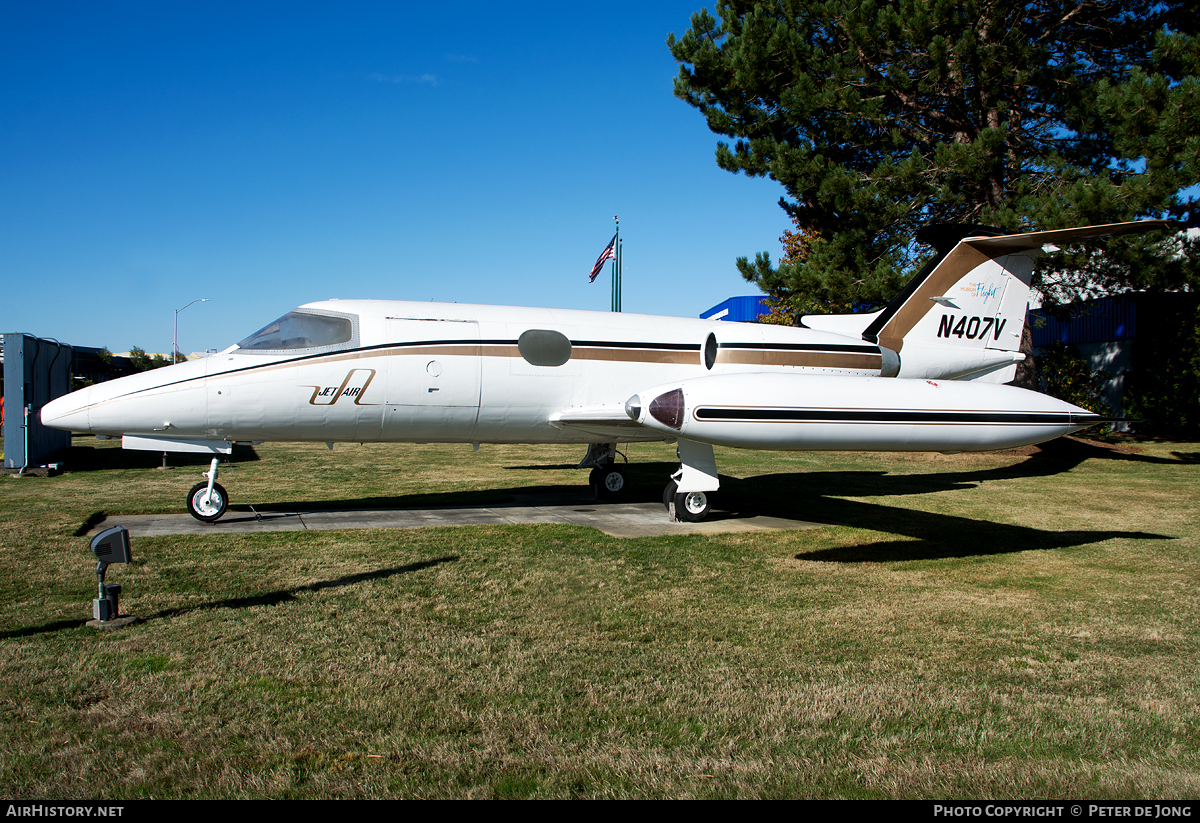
[265, 155]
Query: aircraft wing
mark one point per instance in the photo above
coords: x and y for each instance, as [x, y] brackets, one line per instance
[608, 420]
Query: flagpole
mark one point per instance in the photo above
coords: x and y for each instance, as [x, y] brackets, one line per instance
[620, 275]
[616, 267]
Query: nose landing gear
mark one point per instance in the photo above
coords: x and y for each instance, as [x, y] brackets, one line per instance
[208, 501]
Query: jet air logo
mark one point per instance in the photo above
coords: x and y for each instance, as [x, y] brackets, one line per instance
[352, 388]
[972, 328]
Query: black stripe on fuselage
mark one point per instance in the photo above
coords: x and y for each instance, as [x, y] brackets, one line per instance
[617, 344]
[735, 415]
[821, 347]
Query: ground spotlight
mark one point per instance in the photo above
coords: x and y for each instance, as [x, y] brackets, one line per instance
[110, 546]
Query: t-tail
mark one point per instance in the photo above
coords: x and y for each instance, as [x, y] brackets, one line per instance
[962, 315]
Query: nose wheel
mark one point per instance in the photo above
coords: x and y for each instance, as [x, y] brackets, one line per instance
[207, 505]
[207, 501]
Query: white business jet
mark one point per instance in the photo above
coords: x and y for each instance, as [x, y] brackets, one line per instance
[924, 374]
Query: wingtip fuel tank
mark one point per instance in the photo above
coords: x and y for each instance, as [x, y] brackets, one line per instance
[834, 412]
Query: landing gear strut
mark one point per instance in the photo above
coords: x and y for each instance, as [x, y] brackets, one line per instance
[208, 501]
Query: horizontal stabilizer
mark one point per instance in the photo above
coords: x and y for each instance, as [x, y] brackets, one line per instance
[851, 325]
[1057, 237]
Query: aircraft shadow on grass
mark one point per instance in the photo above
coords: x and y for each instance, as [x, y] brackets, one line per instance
[937, 536]
[819, 497]
[646, 479]
[738, 498]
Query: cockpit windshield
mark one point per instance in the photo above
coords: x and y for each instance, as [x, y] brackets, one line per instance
[302, 330]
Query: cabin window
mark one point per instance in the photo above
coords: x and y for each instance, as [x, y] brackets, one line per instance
[302, 330]
[544, 347]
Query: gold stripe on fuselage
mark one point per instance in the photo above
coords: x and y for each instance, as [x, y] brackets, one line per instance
[802, 359]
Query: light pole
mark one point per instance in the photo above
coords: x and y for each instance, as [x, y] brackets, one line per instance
[175, 338]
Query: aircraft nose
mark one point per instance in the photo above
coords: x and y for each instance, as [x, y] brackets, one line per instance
[68, 412]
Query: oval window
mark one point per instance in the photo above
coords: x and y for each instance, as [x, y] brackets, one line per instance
[544, 347]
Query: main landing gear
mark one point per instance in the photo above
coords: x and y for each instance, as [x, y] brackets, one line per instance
[686, 497]
[207, 501]
[685, 507]
[607, 478]
[607, 482]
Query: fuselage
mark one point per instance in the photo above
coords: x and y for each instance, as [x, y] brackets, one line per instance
[453, 372]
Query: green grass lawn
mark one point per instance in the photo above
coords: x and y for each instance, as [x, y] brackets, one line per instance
[1019, 624]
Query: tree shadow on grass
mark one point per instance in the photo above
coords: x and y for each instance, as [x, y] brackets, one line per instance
[93, 520]
[266, 599]
[938, 536]
[281, 596]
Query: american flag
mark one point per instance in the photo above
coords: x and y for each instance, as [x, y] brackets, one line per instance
[607, 254]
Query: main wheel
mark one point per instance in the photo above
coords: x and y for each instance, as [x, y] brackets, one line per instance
[669, 494]
[607, 482]
[207, 510]
[691, 507]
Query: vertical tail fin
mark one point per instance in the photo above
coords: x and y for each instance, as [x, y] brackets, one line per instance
[964, 315]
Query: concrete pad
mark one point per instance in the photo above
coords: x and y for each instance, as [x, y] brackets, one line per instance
[616, 519]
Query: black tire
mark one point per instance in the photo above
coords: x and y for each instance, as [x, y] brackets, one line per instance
[691, 507]
[669, 494]
[607, 483]
[216, 506]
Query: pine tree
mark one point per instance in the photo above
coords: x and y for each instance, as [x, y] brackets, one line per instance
[878, 118]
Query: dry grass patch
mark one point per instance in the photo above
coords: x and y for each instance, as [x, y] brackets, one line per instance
[1005, 625]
